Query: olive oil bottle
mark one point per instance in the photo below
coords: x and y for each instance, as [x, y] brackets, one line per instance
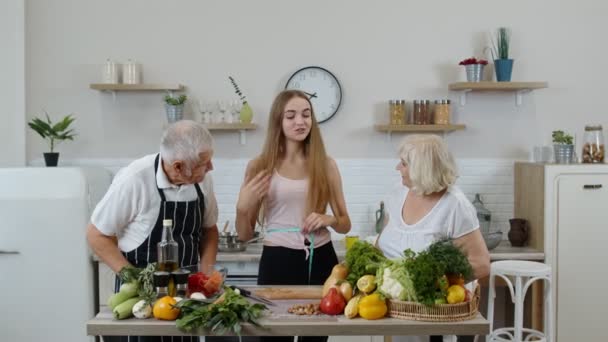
[167, 252]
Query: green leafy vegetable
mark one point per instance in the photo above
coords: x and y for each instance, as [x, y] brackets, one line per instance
[395, 282]
[221, 316]
[362, 258]
[429, 267]
[144, 277]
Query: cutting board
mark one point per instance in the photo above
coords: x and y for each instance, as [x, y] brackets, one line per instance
[290, 292]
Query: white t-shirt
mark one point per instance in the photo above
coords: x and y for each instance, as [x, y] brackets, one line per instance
[452, 216]
[131, 206]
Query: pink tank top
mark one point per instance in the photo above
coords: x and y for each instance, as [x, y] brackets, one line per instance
[286, 205]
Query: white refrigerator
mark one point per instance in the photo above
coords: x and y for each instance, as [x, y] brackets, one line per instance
[46, 270]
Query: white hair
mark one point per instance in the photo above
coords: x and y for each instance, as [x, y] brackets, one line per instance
[183, 141]
[431, 165]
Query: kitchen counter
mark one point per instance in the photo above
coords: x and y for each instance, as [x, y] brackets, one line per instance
[504, 251]
[280, 323]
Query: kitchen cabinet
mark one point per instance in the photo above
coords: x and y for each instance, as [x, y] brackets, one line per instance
[567, 207]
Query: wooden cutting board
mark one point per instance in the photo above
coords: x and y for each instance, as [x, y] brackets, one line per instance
[289, 292]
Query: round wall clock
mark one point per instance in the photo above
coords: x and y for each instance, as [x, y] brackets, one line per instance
[322, 88]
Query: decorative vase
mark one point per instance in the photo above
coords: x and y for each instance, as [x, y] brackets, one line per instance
[564, 154]
[503, 68]
[246, 114]
[474, 72]
[51, 158]
[174, 113]
[518, 234]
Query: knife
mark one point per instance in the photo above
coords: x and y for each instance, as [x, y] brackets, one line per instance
[247, 293]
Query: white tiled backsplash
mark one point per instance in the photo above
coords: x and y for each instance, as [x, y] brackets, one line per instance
[365, 182]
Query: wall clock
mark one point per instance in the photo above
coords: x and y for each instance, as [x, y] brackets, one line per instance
[322, 88]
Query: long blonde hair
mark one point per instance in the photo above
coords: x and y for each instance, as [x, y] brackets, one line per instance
[319, 189]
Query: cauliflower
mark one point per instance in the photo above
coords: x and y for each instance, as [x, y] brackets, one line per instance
[394, 282]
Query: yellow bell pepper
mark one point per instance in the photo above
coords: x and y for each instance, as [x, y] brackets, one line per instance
[372, 307]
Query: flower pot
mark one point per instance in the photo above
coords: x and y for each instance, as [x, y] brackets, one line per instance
[174, 113]
[503, 68]
[474, 72]
[246, 114]
[564, 154]
[51, 158]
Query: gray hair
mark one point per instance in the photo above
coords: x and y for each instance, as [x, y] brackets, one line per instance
[184, 140]
[431, 165]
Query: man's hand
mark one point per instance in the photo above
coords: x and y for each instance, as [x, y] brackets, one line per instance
[315, 221]
[253, 192]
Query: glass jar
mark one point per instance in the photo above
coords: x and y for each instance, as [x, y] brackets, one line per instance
[442, 112]
[593, 145]
[417, 112]
[396, 112]
[483, 215]
[426, 117]
[402, 112]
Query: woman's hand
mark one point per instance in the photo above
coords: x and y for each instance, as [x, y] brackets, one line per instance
[315, 221]
[252, 193]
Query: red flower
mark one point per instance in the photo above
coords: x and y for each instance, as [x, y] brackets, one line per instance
[473, 60]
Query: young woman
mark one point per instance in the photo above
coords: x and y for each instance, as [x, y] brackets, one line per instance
[287, 189]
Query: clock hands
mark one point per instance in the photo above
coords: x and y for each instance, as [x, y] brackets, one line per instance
[310, 95]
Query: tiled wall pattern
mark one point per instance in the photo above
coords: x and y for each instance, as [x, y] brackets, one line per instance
[365, 182]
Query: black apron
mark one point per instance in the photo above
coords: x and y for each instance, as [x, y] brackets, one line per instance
[187, 226]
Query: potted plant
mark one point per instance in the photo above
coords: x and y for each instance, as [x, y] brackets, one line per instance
[503, 65]
[54, 133]
[563, 148]
[174, 106]
[246, 113]
[474, 68]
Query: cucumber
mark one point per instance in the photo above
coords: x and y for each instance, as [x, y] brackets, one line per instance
[125, 309]
[128, 290]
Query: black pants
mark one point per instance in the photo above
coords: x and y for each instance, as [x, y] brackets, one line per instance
[286, 266]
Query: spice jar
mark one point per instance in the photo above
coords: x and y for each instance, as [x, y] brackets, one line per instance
[442, 112]
[402, 112]
[396, 112]
[417, 112]
[593, 144]
[426, 116]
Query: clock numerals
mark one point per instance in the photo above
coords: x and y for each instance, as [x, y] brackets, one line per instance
[312, 73]
[302, 77]
[296, 85]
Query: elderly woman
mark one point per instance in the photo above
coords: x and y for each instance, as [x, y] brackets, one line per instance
[427, 207]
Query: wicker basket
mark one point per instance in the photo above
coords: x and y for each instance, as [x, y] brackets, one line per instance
[438, 313]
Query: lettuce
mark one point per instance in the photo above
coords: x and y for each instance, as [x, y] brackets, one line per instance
[395, 282]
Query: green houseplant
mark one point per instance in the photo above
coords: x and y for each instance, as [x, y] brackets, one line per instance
[246, 114]
[174, 107]
[563, 147]
[503, 65]
[54, 133]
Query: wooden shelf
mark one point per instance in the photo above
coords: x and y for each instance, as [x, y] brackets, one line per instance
[241, 128]
[419, 128]
[136, 87]
[497, 86]
[518, 87]
[230, 126]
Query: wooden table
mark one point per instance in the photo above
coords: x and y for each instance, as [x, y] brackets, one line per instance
[280, 323]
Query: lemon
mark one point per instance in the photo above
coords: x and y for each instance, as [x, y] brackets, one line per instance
[456, 294]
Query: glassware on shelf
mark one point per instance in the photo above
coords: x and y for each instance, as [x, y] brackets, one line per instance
[236, 106]
[483, 215]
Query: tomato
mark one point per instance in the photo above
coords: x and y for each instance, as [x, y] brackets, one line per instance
[196, 282]
[213, 284]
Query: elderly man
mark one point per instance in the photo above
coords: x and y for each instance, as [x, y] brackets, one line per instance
[127, 224]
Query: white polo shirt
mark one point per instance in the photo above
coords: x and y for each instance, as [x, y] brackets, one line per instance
[130, 208]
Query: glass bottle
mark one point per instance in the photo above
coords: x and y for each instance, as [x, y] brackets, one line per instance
[426, 117]
[180, 278]
[167, 249]
[391, 112]
[402, 113]
[483, 215]
[161, 283]
[593, 145]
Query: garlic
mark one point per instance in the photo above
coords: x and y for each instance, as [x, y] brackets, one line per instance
[142, 310]
[197, 295]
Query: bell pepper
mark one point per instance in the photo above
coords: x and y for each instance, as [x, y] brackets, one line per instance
[372, 307]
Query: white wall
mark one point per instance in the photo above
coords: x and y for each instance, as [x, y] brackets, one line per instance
[12, 83]
[379, 50]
